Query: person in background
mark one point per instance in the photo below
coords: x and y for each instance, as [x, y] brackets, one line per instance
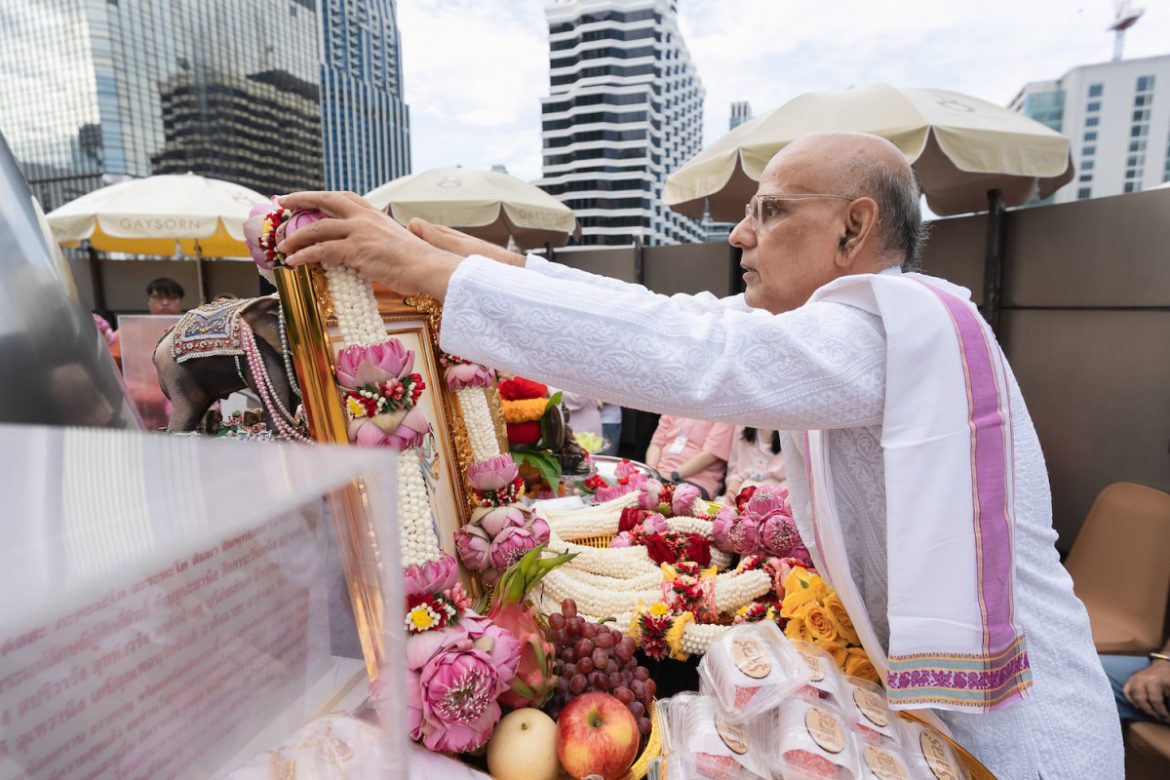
[695, 451]
[584, 413]
[611, 428]
[755, 459]
[1141, 686]
[164, 296]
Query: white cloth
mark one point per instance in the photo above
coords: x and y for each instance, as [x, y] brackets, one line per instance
[953, 641]
[820, 367]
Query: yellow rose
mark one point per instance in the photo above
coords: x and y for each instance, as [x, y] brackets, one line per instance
[841, 619]
[818, 622]
[835, 649]
[794, 600]
[859, 665]
[796, 629]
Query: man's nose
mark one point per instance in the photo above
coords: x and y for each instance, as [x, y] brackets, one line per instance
[742, 235]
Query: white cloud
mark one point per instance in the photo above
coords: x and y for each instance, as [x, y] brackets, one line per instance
[475, 72]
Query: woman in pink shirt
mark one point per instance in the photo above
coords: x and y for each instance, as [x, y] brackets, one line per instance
[695, 451]
[755, 459]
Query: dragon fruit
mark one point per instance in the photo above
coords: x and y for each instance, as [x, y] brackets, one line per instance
[536, 678]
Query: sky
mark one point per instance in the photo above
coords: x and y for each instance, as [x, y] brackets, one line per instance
[475, 71]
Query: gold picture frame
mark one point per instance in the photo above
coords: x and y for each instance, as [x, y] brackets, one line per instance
[314, 342]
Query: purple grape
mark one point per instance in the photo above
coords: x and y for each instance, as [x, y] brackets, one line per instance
[569, 608]
[600, 659]
[604, 640]
[585, 665]
[597, 680]
[645, 726]
[638, 709]
[624, 694]
[651, 689]
[571, 669]
[578, 683]
[568, 654]
[584, 647]
[616, 680]
[589, 630]
[560, 636]
[556, 621]
[642, 673]
[639, 689]
[623, 653]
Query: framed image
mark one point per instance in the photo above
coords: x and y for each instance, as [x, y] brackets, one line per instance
[315, 341]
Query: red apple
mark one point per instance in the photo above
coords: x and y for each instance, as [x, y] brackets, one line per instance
[597, 735]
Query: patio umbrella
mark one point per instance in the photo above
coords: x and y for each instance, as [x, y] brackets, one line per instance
[970, 155]
[486, 204]
[151, 216]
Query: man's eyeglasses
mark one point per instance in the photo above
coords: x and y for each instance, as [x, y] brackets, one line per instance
[762, 208]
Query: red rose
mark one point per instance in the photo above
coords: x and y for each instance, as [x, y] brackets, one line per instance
[698, 550]
[658, 549]
[524, 433]
[519, 389]
[743, 497]
[631, 516]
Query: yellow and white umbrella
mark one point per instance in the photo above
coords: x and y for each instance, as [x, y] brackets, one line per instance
[148, 216]
[961, 147]
[485, 204]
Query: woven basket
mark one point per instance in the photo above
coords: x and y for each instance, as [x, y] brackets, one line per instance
[601, 541]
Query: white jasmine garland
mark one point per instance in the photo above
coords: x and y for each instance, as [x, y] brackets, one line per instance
[481, 428]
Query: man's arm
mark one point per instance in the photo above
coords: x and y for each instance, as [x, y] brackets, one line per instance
[694, 465]
[653, 455]
[1149, 689]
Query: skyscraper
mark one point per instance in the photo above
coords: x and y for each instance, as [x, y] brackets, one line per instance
[365, 123]
[625, 107]
[93, 91]
[1116, 116]
[741, 111]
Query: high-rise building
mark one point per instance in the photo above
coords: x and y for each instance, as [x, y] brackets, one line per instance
[1117, 118]
[94, 91]
[741, 111]
[366, 124]
[625, 108]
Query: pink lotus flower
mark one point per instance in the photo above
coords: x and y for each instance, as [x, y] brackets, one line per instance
[455, 678]
[358, 366]
[648, 494]
[655, 524]
[622, 540]
[539, 529]
[733, 533]
[409, 433]
[473, 545]
[493, 473]
[253, 226]
[510, 546]
[608, 493]
[777, 533]
[767, 498]
[625, 469]
[301, 219]
[685, 495]
[493, 520]
[432, 577]
[465, 375]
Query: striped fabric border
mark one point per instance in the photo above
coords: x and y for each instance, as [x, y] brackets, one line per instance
[966, 681]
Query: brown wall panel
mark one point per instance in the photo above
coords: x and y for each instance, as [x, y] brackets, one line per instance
[1099, 252]
[955, 252]
[1097, 385]
[690, 268]
[617, 262]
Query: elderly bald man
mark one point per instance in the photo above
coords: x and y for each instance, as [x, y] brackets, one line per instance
[917, 480]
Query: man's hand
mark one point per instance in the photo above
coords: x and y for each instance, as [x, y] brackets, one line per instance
[462, 244]
[1149, 689]
[358, 235]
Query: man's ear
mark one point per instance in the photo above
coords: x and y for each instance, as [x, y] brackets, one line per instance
[860, 231]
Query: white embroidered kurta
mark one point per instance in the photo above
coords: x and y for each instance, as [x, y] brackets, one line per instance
[821, 367]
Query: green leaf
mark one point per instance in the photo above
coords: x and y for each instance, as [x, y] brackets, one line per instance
[803, 584]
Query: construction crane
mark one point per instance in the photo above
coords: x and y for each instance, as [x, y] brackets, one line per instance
[1124, 17]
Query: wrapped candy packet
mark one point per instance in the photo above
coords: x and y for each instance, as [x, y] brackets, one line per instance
[709, 746]
[751, 669]
[869, 713]
[813, 741]
[825, 680]
[929, 754]
[885, 762]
